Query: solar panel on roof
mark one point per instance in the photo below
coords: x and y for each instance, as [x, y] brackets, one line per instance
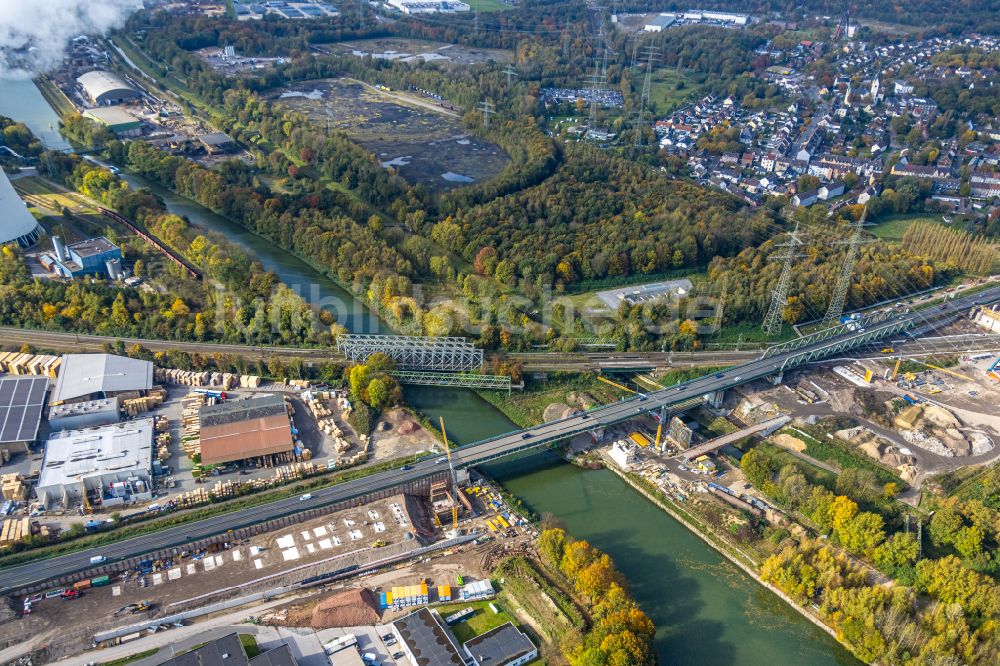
[6, 392]
[21, 402]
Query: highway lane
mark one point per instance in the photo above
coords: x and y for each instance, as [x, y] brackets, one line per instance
[22, 575]
[472, 454]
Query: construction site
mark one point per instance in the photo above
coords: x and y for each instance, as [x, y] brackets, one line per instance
[372, 556]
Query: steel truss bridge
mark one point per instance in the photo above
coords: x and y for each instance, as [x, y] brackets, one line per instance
[458, 379]
[447, 354]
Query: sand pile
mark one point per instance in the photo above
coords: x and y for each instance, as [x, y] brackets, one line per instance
[786, 441]
[350, 608]
[558, 410]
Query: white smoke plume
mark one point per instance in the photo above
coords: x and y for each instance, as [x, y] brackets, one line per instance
[34, 33]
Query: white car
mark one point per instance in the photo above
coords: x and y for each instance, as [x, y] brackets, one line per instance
[306, 497]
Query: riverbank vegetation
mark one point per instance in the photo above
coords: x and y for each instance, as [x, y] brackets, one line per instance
[900, 599]
[565, 390]
[600, 623]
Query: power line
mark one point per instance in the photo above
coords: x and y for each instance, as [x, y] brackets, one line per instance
[510, 72]
[652, 53]
[839, 297]
[487, 109]
[779, 297]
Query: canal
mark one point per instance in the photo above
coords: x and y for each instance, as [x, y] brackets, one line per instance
[21, 100]
[706, 610]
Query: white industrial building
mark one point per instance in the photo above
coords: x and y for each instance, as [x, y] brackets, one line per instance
[17, 225]
[702, 15]
[505, 645]
[429, 6]
[111, 462]
[622, 454]
[660, 23]
[95, 376]
[86, 414]
[106, 88]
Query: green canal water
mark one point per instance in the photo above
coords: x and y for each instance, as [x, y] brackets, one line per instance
[707, 611]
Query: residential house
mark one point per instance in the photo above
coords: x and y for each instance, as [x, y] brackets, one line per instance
[805, 199]
[830, 191]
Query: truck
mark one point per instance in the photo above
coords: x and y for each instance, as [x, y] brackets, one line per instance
[338, 644]
[98, 559]
[910, 399]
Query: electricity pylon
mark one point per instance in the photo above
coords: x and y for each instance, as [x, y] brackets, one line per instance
[779, 297]
[651, 53]
[487, 109]
[839, 297]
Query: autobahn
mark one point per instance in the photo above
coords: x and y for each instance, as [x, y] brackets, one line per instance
[12, 578]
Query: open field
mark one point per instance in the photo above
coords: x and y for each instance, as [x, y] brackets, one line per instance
[892, 227]
[425, 146]
[491, 5]
[664, 93]
[482, 621]
[407, 50]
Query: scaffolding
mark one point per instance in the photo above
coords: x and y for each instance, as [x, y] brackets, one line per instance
[449, 354]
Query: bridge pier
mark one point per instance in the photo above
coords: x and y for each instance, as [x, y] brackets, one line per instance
[715, 398]
[776, 379]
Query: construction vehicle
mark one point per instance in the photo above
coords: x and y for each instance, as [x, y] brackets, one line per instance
[454, 479]
[379, 544]
[70, 593]
[888, 350]
[134, 608]
[616, 385]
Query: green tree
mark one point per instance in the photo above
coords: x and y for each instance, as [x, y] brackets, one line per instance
[945, 525]
[863, 533]
[551, 544]
[378, 393]
[968, 541]
[119, 312]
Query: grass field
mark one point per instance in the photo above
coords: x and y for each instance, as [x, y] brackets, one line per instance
[664, 93]
[489, 6]
[480, 622]
[892, 227]
[526, 408]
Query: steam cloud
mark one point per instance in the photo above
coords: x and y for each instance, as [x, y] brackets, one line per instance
[34, 33]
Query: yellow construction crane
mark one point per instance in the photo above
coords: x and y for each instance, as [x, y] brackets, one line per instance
[895, 371]
[945, 370]
[659, 427]
[615, 384]
[454, 479]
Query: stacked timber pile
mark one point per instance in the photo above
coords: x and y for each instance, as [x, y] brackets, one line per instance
[191, 406]
[154, 398]
[298, 383]
[163, 446]
[193, 498]
[14, 530]
[249, 381]
[17, 363]
[232, 487]
[316, 403]
[13, 487]
[220, 380]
